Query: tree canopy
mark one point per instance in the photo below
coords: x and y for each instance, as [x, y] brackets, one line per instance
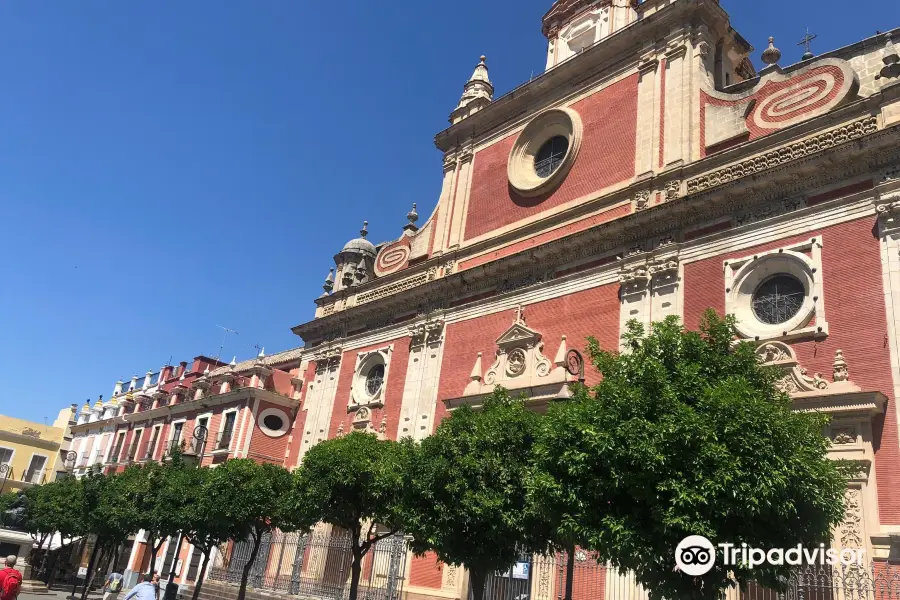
[466, 496]
[688, 435]
[354, 482]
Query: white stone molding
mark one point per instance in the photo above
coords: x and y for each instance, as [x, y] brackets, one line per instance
[781, 156]
[743, 276]
[422, 374]
[840, 397]
[650, 285]
[360, 398]
[320, 396]
[524, 179]
[520, 367]
[274, 432]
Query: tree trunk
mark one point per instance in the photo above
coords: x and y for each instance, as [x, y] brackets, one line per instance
[570, 571]
[202, 575]
[355, 570]
[87, 576]
[242, 592]
[477, 577]
[154, 550]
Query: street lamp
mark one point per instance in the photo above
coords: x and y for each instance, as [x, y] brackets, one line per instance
[69, 463]
[4, 472]
[575, 365]
[201, 432]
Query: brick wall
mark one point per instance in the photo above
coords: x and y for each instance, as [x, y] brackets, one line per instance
[549, 236]
[263, 447]
[577, 316]
[606, 158]
[854, 303]
[426, 571]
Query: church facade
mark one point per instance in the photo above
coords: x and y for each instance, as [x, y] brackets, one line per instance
[652, 170]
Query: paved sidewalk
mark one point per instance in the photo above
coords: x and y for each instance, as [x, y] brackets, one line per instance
[58, 595]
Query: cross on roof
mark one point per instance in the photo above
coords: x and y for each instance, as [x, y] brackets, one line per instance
[805, 42]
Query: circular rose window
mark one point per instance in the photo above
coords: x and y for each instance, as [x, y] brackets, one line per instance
[544, 152]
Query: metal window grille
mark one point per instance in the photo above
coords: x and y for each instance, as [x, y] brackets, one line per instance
[778, 299]
[551, 156]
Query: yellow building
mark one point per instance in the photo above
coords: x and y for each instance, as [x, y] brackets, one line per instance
[33, 453]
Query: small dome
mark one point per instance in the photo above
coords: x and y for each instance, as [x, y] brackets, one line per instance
[361, 245]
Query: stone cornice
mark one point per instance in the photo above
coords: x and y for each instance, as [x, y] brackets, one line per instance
[595, 63]
[742, 200]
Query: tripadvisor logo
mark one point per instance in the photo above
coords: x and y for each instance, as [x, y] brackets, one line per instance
[695, 555]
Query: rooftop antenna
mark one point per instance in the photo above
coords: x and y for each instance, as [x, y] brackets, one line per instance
[226, 331]
[805, 43]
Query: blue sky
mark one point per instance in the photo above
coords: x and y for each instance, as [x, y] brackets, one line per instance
[167, 167]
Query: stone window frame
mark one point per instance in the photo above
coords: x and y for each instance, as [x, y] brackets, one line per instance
[277, 412]
[520, 169]
[743, 276]
[359, 396]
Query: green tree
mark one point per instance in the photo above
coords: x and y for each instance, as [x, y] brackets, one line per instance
[465, 495]
[353, 482]
[53, 508]
[147, 497]
[105, 517]
[688, 435]
[198, 511]
[557, 482]
[252, 500]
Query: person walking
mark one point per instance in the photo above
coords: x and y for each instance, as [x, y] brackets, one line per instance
[148, 590]
[10, 580]
[112, 586]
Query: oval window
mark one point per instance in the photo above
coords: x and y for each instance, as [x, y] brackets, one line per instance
[273, 422]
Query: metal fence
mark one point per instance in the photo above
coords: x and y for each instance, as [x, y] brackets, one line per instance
[544, 578]
[316, 565]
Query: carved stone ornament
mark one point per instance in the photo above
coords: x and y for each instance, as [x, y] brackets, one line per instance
[430, 332]
[780, 156]
[778, 354]
[642, 200]
[843, 436]
[362, 417]
[673, 190]
[796, 379]
[519, 362]
[851, 528]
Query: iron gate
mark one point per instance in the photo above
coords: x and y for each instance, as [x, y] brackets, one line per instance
[544, 578]
[317, 566]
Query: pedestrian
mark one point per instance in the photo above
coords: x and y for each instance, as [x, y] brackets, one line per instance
[10, 580]
[149, 590]
[112, 586]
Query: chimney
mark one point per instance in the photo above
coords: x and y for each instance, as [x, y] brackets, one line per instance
[182, 367]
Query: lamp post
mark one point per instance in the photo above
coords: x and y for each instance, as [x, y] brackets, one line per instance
[69, 463]
[201, 432]
[575, 365]
[4, 472]
[200, 435]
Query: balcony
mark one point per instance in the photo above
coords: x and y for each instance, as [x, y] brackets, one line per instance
[223, 442]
